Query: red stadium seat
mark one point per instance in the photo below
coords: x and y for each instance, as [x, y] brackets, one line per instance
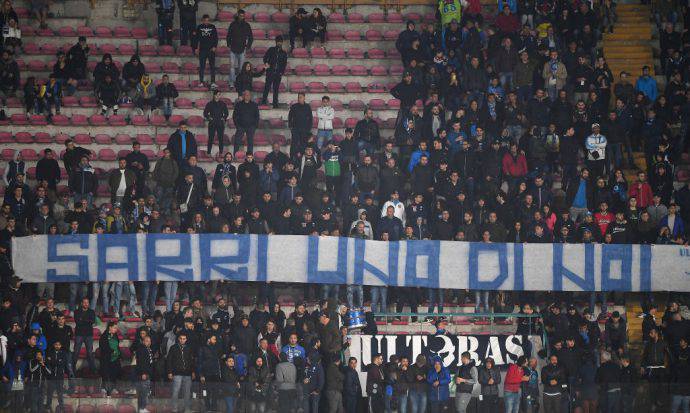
[29, 154]
[103, 31]
[195, 121]
[337, 53]
[376, 54]
[79, 120]
[60, 120]
[117, 120]
[355, 53]
[190, 68]
[373, 35]
[303, 70]
[65, 31]
[358, 70]
[84, 31]
[394, 18]
[262, 17]
[335, 87]
[298, 87]
[185, 51]
[148, 50]
[38, 120]
[6, 137]
[334, 35]
[376, 18]
[280, 17]
[316, 87]
[144, 139]
[98, 120]
[23, 137]
[166, 50]
[105, 139]
[162, 139]
[122, 32]
[336, 18]
[356, 105]
[352, 35]
[355, 18]
[379, 71]
[88, 102]
[225, 16]
[391, 34]
[259, 34]
[353, 87]
[140, 33]
[140, 120]
[107, 154]
[322, 70]
[318, 53]
[377, 104]
[340, 70]
[19, 119]
[43, 137]
[82, 139]
[300, 52]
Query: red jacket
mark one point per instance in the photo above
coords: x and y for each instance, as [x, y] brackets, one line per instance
[515, 167]
[643, 193]
[513, 378]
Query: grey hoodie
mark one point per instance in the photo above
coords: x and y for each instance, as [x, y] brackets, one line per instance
[286, 376]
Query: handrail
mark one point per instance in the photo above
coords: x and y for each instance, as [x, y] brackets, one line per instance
[447, 314]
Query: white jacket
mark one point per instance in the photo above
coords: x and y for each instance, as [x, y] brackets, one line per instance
[398, 208]
[325, 115]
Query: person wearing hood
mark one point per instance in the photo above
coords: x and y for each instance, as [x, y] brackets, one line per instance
[14, 375]
[438, 379]
[105, 67]
[367, 231]
[489, 377]
[132, 72]
[41, 342]
[286, 383]
[108, 94]
[465, 380]
[14, 167]
[258, 383]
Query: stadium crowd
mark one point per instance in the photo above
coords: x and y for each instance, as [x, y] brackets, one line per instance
[521, 136]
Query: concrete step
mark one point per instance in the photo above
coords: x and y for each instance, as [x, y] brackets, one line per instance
[628, 35]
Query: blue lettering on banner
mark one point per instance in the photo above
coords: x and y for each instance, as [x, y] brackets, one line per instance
[361, 265]
[611, 253]
[559, 270]
[161, 263]
[314, 274]
[106, 242]
[216, 263]
[479, 248]
[419, 249]
[518, 270]
[82, 261]
[645, 267]
[262, 257]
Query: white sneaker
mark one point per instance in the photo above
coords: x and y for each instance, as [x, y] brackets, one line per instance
[214, 86]
[144, 411]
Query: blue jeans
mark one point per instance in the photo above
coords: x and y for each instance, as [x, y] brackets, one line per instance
[613, 400]
[616, 154]
[236, 62]
[79, 290]
[435, 300]
[88, 343]
[167, 105]
[100, 288]
[149, 293]
[323, 136]
[506, 79]
[165, 197]
[515, 132]
[593, 301]
[511, 401]
[481, 301]
[329, 290]
[229, 404]
[678, 401]
[417, 401]
[116, 290]
[379, 298]
[170, 293]
[353, 290]
[524, 93]
[402, 403]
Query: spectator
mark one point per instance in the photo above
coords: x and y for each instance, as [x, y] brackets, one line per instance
[245, 116]
[300, 124]
[216, 113]
[298, 24]
[204, 43]
[275, 62]
[166, 92]
[188, 9]
[165, 11]
[182, 144]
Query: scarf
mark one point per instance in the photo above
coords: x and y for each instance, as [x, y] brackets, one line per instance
[553, 64]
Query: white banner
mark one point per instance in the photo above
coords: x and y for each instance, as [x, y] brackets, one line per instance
[332, 260]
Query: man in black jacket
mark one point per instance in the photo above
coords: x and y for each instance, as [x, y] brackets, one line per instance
[182, 144]
[246, 119]
[300, 123]
[77, 59]
[9, 74]
[216, 113]
[239, 39]
[352, 389]
[408, 93]
[58, 362]
[204, 43]
[553, 378]
[275, 61]
[188, 9]
[180, 364]
[84, 320]
[144, 368]
[298, 23]
[367, 133]
[47, 169]
[165, 10]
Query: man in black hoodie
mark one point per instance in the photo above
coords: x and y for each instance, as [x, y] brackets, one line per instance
[188, 9]
[239, 39]
[275, 62]
[300, 123]
[246, 119]
[9, 74]
[216, 113]
[352, 388]
[406, 37]
[204, 43]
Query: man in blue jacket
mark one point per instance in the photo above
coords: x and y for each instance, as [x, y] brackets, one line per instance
[647, 85]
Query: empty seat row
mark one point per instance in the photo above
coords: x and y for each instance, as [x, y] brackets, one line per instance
[280, 17]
